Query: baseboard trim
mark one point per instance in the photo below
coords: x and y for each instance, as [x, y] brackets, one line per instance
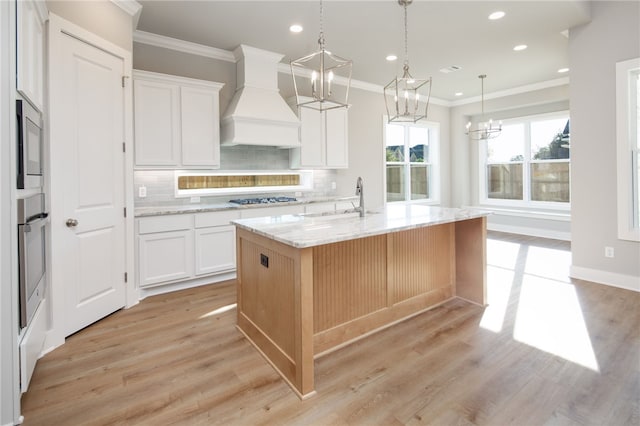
[167, 288]
[613, 279]
[532, 232]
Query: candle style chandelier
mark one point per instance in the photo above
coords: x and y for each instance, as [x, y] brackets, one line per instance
[401, 96]
[484, 129]
[322, 68]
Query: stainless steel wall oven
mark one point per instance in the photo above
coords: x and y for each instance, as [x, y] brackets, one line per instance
[32, 219]
[29, 152]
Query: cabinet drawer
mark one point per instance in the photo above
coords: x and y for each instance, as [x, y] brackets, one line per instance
[177, 222]
[204, 220]
[271, 211]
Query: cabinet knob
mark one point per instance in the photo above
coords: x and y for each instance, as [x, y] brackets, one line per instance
[71, 223]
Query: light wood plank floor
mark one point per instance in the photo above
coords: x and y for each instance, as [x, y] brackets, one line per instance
[547, 351]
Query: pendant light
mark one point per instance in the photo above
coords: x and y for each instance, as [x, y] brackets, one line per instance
[320, 70]
[484, 129]
[401, 96]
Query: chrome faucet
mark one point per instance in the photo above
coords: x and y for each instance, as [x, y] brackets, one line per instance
[360, 192]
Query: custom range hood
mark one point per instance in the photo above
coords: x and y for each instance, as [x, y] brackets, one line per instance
[257, 114]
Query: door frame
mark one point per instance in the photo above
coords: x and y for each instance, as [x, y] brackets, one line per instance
[58, 29]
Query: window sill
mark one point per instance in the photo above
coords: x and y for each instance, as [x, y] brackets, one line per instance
[563, 216]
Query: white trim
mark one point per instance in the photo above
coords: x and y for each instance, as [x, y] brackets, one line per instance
[613, 279]
[131, 7]
[184, 81]
[513, 91]
[562, 216]
[624, 170]
[181, 285]
[532, 232]
[183, 46]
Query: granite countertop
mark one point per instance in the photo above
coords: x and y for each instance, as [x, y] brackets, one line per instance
[317, 229]
[200, 208]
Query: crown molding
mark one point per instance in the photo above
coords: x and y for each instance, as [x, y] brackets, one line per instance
[183, 46]
[131, 7]
[513, 91]
[228, 56]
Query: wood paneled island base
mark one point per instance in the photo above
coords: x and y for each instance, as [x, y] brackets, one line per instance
[298, 303]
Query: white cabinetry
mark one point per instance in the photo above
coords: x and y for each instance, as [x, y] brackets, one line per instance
[165, 249]
[181, 247]
[30, 18]
[323, 139]
[215, 242]
[177, 121]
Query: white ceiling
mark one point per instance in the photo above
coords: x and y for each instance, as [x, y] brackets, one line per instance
[441, 34]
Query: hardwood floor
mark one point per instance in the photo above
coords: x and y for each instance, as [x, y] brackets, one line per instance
[546, 351]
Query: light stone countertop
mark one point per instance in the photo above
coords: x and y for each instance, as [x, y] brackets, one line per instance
[317, 229]
[201, 208]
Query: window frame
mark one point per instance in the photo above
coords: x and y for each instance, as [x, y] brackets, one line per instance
[628, 179]
[527, 161]
[433, 129]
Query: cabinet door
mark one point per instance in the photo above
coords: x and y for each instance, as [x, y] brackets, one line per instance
[336, 121]
[157, 123]
[30, 51]
[165, 256]
[200, 127]
[215, 249]
[311, 138]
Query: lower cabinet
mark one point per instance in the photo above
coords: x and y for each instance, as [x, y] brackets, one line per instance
[182, 247]
[165, 256]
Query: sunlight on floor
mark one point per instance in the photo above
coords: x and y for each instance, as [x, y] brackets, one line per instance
[550, 318]
[548, 313]
[500, 282]
[220, 310]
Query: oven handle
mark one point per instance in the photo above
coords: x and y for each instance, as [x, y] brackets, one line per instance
[37, 221]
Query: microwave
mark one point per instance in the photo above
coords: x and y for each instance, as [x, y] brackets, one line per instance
[29, 141]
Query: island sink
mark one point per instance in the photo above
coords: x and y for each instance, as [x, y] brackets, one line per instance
[307, 285]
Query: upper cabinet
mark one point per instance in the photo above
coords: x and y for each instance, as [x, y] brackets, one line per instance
[176, 120]
[30, 18]
[323, 139]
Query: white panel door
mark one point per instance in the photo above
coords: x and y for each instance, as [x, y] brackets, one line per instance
[90, 244]
[336, 138]
[200, 127]
[157, 123]
[215, 249]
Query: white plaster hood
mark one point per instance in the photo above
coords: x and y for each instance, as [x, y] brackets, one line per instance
[257, 114]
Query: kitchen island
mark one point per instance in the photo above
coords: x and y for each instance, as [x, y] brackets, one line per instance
[309, 284]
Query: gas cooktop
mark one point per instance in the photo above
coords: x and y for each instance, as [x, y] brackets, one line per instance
[265, 200]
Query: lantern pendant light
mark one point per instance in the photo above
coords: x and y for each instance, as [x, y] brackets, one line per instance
[402, 95]
[320, 71]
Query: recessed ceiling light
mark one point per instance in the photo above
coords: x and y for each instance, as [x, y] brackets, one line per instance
[459, 93]
[496, 15]
[520, 47]
[563, 70]
[295, 28]
[391, 58]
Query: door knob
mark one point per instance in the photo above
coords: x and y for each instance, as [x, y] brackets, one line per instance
[71, 223]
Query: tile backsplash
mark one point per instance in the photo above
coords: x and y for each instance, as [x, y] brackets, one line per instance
[160, 184]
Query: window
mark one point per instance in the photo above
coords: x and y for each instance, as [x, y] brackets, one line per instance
[528, 164]
[628, 148]
[411, 162]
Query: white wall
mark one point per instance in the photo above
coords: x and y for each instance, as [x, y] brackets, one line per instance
[594, 48]
[101, 17]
